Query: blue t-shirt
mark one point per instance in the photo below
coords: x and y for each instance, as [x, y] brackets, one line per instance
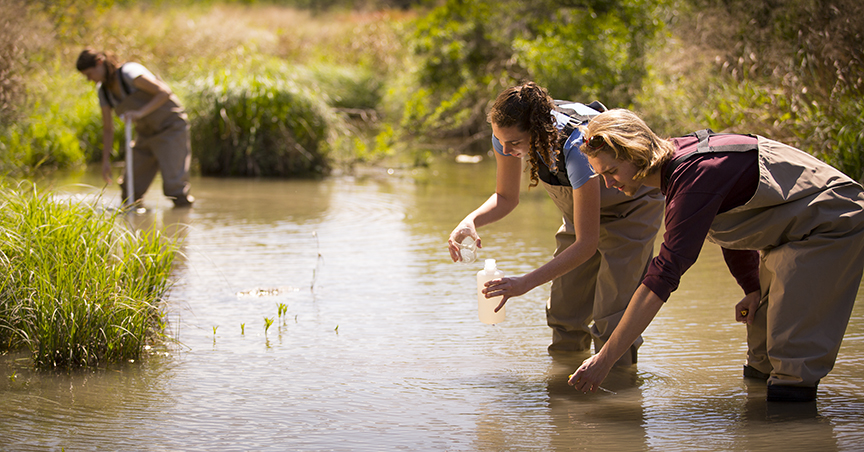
[579, 170]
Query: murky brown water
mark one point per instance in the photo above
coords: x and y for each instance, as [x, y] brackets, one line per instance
[381, 348]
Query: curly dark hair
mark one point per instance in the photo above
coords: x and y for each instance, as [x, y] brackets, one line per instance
[528, 107]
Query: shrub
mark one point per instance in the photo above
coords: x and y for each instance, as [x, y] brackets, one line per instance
[43, 141]
[259, 126]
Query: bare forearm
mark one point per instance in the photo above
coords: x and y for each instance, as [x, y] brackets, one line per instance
[107, 135]
[586, 228]
[494, 209]
[643, 307]
[575, 255]
[157, 101]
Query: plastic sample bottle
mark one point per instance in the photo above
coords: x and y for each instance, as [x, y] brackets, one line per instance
[486, 306]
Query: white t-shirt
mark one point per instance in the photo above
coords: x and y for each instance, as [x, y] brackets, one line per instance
[129, 72]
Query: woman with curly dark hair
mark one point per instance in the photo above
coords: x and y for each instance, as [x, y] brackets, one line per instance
[607, 238]
[162, 142]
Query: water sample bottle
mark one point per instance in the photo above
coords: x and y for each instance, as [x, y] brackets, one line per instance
[468, 250]
[486, 306]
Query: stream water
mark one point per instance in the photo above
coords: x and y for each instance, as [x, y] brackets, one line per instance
[380, 347]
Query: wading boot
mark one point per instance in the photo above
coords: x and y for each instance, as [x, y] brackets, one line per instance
[751, 372]
[784, 393]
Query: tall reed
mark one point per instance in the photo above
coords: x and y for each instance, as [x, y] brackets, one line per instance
[77, 288]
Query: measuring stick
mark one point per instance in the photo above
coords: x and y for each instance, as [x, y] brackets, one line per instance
[130, 183]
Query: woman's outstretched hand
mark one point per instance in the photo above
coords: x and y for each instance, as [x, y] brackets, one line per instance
[506, 288]
[590, 374]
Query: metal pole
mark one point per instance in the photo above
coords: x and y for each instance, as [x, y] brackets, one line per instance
[130, 183]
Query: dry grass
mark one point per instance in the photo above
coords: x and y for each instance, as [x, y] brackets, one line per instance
[191, 40]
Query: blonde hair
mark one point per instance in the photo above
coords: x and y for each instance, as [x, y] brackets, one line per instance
[628, 138]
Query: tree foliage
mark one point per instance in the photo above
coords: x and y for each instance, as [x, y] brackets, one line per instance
[468, 51]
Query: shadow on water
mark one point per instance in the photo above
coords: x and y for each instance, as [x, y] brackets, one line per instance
[379, 346]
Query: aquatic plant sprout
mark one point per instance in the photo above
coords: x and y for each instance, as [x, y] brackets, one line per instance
[78, 287]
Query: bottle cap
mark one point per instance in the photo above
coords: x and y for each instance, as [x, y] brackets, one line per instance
[490, 265]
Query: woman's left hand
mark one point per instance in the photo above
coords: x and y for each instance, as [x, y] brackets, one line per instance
[506, 288]
[745, 310]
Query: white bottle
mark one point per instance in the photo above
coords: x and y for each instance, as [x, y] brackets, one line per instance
[486, 306]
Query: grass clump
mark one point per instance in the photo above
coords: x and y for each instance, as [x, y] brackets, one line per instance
[266, 125]
[76, 287]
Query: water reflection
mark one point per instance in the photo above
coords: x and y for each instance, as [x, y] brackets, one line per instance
[606, 420]
[380, 347]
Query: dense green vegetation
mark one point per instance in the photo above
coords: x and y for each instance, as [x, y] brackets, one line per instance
[378, 76]
[77, 287]
[468, 51]
[792, 71]
[265, 125]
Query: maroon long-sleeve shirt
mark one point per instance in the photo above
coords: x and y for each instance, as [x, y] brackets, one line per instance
[697, 190]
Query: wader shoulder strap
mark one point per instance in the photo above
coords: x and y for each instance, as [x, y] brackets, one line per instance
[559, 175]
[702, 148]
[123, 85]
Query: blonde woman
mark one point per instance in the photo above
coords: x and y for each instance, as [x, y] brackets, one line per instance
[792, 232]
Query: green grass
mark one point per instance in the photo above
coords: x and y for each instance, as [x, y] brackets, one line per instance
[77, 288]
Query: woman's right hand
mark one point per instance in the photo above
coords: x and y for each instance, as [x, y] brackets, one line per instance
[106, 171]
[456, 237]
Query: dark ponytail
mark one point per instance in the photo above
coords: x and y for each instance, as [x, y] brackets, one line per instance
[528, 107]
[89, 57]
